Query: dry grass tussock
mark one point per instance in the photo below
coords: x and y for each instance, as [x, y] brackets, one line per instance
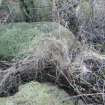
[79, 71]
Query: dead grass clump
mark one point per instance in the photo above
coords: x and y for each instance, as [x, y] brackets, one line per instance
[82, 75]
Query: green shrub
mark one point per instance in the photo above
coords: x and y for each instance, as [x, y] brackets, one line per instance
[19, 39]
[34, 93]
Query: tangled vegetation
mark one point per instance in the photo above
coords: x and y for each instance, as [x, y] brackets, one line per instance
[60, 42]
